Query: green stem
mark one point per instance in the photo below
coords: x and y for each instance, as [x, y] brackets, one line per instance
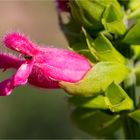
[131, 127]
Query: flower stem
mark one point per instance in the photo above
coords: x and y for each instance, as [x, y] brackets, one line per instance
[130, 126]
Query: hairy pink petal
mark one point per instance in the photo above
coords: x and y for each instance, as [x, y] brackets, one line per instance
[9, 61]
[20, 43]
[22, 74]
[6, 87]
[63, 65]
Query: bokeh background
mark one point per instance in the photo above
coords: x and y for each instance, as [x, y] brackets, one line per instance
[31, 112]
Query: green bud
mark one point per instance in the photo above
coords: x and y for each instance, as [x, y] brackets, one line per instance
[113, 20]
[98, 78]
[117, 99]
[88, 13]
[98, 14]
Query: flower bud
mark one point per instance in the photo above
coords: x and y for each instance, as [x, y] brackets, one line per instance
[62, 5]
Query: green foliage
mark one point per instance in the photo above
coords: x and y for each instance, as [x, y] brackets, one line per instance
[97, 102]
[136, 52]
[114, 99]
[134, 7]
[135, 115]
[102, 49]
[137, 73]
[113, 20]
[96, 14]
[133, 35]
[117, 99]
[95, 122]
[107, 32]
[88, 13]
[134, 4]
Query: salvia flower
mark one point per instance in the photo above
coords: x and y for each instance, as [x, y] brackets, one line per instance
[63, 5]
[43, 67]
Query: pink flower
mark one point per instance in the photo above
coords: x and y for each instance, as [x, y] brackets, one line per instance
[63, 5]
[40, 66]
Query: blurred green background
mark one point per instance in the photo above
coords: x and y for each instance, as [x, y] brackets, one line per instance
[31, 112]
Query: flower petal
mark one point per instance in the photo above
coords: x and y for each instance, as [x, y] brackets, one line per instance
[6, 87]
[40, 79]
[63, 5]
[20, 78]
[22, 74]
[9, 61]
[19, 43]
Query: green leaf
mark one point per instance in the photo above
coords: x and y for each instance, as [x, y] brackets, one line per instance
[135, 115]
[116, 27]
[88, 55]
[81, 48]
[136, 51]
[97, 79]
[96, 123]
[97, 102]
[113, 20]
[133, 35]
[117, 99]
[134, 9]
[102, 48]
[134, 4]
[134, 14]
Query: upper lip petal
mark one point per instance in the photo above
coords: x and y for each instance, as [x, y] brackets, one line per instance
[19, 43]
